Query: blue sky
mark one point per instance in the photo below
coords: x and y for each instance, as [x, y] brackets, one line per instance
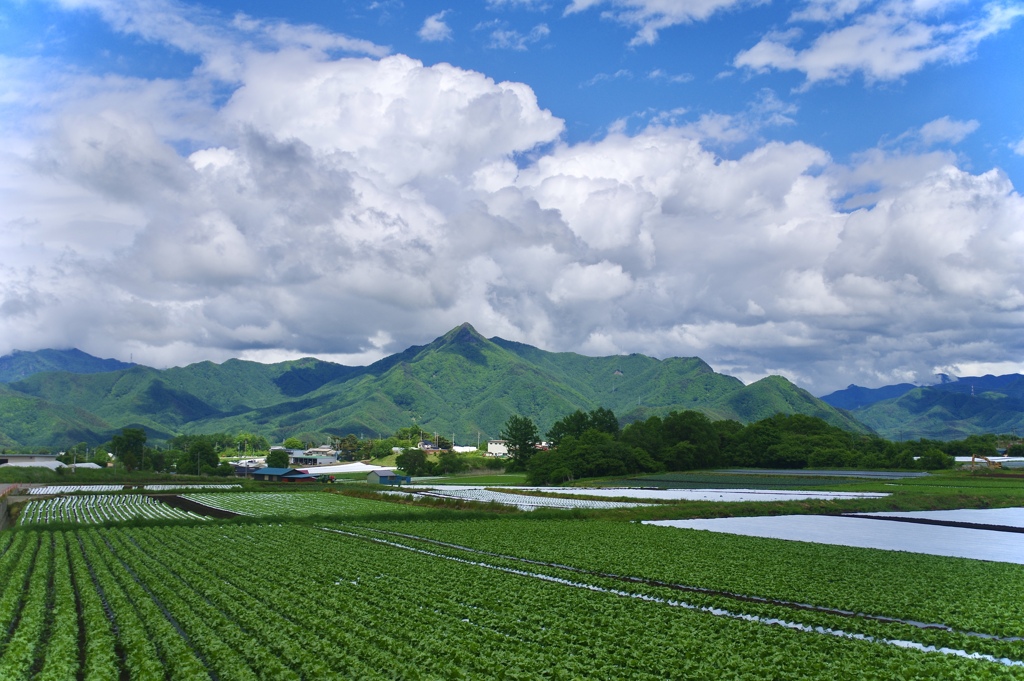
[825, 189]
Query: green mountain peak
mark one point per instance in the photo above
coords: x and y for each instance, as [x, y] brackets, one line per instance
[460, 384]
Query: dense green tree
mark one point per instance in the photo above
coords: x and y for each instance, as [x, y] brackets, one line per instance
[410, 434]
[647, 435]
[727, 430]
[697, 430]
[222, 469]
[218, 441]
[248, 443]
[935, 459]
[549, 467]
[200, 453]
[973, 445]
[155, 460]
[572, 425]
[378, 449]
[414, 462]
[575, 424]
[294, 443]
[592, 454]
[100, 457]
[277, 458]
[129, 446]
[347, 446]
[450, 462]
[521, 437]
[79, 453]
[603, 421]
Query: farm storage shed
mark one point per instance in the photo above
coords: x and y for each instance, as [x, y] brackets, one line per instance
[386, 477]
[282, 475]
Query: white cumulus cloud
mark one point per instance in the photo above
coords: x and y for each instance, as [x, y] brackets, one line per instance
[884, 42]
[652, 16]
[352, 205]
[435, 29]
[947, 130]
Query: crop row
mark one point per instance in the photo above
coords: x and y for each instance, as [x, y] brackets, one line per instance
[773, 612]
[180, 603]
[964, 594]
[90, 509]
[71, 489]
[167, 488]
[94, 489]
[524, 501]
[297, 504]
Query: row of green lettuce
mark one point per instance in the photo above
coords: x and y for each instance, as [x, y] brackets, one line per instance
[296, 601]
[965, 594]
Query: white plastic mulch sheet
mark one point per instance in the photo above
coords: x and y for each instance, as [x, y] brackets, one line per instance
[70, 489]
[164, 488]
[93, 508]
[712, 494]
[677, 494]
[334, 469]
[1006, 517]
[958, 542]
[522, 501]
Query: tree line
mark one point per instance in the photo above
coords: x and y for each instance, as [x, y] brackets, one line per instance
[592, 444]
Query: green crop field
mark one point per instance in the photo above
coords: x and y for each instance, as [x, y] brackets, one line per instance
[315, 585]
[99, 508]
[296, 505]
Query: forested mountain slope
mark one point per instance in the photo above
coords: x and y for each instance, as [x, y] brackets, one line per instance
[460, 384]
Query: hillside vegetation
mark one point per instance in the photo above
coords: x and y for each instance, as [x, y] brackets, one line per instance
[461, 384]
[951, 410]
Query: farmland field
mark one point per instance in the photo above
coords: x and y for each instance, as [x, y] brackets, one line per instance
[522, 500]
[737, 480]
[172, 603]
[295, 505]
[98, 508]
[317, 585]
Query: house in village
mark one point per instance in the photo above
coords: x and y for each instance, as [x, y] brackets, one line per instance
[317, 456]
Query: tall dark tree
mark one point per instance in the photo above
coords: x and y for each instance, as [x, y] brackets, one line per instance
[521, 437]
[129, 447]
[575, 424]
[647, 435]
[572, 425]
[450, 462]
[247, 443]
[277, 458]
[594, 453]
[413, 461]
[696, 429]
[200, 454]
[603, 421]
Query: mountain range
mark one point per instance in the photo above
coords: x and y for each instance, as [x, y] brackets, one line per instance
[460, 384]
[949, 410]
[19, 364]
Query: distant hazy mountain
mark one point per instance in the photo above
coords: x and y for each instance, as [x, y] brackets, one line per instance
[19, 365]
[855, 397]
[461, 384]
[950, 410]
